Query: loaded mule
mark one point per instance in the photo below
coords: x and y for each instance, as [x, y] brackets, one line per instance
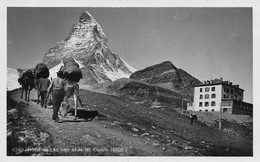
[71, 74]
[26, 80]
[40, 71]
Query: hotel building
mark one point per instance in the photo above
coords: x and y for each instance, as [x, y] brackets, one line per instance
[216, 95]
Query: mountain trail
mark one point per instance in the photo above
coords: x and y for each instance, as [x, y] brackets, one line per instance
[81, 137]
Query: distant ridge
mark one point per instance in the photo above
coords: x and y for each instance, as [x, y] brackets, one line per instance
[169, 76]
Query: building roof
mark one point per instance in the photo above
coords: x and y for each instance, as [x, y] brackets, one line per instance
[231, 99]
[218, 82]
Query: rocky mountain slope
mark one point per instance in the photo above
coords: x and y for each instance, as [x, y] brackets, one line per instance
[145, 93]
[167, 75]
[87, 44]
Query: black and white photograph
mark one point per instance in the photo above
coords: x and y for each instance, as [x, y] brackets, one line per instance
[129, 81]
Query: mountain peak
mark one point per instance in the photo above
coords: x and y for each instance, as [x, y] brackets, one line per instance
[166, 74]
[154, 70]
[167, 64]
[85, 17]
[87, 43]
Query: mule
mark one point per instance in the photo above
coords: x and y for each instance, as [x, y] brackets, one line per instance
[71, 90]
[27, 83]
[40, 71]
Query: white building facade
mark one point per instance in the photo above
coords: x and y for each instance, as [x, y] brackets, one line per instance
[207, 98]
[216, 95]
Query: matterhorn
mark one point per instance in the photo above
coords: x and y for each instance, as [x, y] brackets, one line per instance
[87, 44]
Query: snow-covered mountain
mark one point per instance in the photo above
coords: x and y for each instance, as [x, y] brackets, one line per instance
[87, 44]
[12, 79]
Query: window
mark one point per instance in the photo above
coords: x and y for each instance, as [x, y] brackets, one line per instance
[206, 110]
[200, 104]
[212, 88]
[207, 89]
[206, 104]
[200, 89]
[206, 95]
[227, 90]
[201, 96]
[213, 103]
[213, 110]
[213, 95]
[199, 110]
[232, 91]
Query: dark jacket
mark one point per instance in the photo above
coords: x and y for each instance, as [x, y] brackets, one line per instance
[43, 84]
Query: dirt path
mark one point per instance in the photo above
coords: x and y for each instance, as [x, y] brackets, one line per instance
[80, 137]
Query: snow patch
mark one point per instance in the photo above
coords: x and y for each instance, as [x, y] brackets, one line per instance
[80, 63]
[53, 71]
[112, 75]
[108, 62]
[12, 79]
[169, 71]
[122, 74]
[128, 66]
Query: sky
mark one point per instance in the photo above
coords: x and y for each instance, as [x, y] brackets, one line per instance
[205, 42]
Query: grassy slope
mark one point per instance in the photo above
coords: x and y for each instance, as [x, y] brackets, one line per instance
[165, 123]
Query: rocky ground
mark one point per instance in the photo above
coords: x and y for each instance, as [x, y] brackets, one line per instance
[114, 126]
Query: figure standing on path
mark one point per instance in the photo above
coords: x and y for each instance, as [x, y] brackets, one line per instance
[44, 83]
[192, 118]
[58, 93]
